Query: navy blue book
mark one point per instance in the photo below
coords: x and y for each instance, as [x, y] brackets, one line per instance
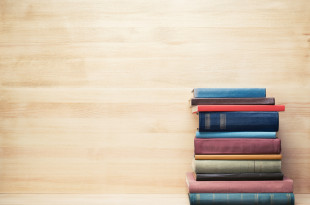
[241, 198]
[238, 121]
[229, 92]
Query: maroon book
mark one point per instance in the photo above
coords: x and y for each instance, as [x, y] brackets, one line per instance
[237, 146]
[268, 186]
[232, 101]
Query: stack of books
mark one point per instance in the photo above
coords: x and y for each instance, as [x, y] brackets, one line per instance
[237, 157]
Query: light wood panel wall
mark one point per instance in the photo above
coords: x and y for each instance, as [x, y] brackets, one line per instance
[94, 94]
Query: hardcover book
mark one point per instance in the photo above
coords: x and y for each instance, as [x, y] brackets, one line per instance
[236, 146]
[224, 108]
[238, 177]
[241, 198]
[256, 135]
[237, 157]
[235, 166]
[272, 186]
[231, 101]
[229, 92]
[238, 121]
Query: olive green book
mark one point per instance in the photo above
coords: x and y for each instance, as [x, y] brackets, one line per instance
[236, 166]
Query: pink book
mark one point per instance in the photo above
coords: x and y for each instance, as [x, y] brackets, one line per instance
[236, 146]
[274, 186]
[225, 108]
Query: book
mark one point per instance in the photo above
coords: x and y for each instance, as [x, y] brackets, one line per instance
[231, 101]
[236, 146]
[238, 121]
[239, 177]
[241, 198]
[227, 108]
[237, 157]
[229, 92]
[235, 166]
[269, 186]
[257, 135]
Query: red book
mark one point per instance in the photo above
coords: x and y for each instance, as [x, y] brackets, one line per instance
[227, 108]
[236, 146]
[268, 186]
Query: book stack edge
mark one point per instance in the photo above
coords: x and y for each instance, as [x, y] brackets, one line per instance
[237, 155]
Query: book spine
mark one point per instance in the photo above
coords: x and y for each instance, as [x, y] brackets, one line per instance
[236, 146]
[230, 108]
[239, 156]
[238, 121]
[232, 101]
[230, 92]
[239, 177]
[236, 166]
[267, 135]
[265, 186]
[241, 198]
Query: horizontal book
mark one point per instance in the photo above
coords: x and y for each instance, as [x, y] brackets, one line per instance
[264, 135]
[240, 156]
[229, 92]
[241, 198]
[236, 146]
[231, 101]
[235, 166]
[230, 108]
[269, 186]
[239, 177]
[238, 121]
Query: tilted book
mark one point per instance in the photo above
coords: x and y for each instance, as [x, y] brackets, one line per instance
[229, 92]
[231, 101]
[238, 121]
[236, 146]
[270, 186]
[235, 166]
[241, 198]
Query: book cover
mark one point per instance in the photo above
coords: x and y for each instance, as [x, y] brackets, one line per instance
[238, 121]
[229, 92]
[230, 108]
[236, 146]
[238, 177]
[241, 198]
[235, 166]
[239, 156]
[255, 135]
[231, 101]
[270, 186]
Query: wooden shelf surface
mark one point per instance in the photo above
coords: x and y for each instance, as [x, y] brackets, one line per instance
[111, 199]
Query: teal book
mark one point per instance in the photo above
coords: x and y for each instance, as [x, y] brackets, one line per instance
[229, 92]
[241, 198]
[266, 135]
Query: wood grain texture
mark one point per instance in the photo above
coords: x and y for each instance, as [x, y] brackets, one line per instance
[94, 94]
[111, 199]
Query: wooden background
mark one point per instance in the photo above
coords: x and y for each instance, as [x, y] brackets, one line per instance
[94, 94]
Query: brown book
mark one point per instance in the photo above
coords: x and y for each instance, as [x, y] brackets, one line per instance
[231, 101]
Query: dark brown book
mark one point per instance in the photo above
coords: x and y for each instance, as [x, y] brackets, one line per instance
[231, 101]
[239, 177]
